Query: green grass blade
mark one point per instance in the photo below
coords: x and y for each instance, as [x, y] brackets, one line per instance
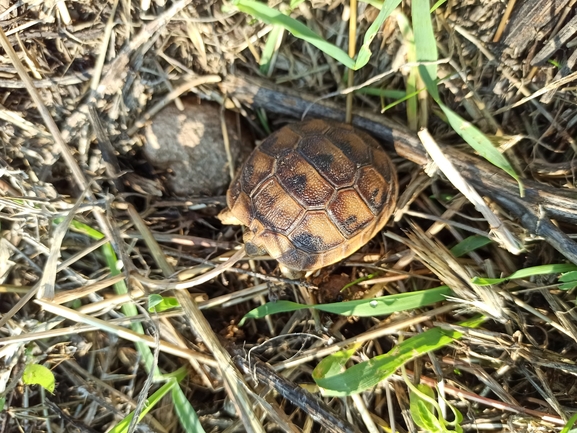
[437, 5]
[362, 307]
[568, 427]
[333, 364]
[365, 375]
[364, 54]
[185, 412]
[425, 42]
[405, 97]
[423, 411]
[122, 426]
[470, 244]
[427, 52]
[299, 30]
[269, 48]
[557, 268]
[569, 279]
[384, 93]
[479, 141]
[357, 281]
[272, 308]
[468, 132]
[411, 85]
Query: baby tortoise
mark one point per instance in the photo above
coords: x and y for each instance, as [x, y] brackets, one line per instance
[312, 194]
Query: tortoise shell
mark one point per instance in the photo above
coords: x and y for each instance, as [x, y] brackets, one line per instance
[313, 193]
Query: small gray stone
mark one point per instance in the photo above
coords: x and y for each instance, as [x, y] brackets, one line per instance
[189, 147]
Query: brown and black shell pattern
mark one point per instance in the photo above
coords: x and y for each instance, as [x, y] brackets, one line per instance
[313, 193]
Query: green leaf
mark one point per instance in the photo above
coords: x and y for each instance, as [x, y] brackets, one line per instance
[570, 280]
[272, 16]
[468, 132]
[365, 375]
[261, 114]
[425, 41]
[411, 84]
[479, 141]
[2, 403]
[426, 412]
[567, 428]
[527, 272]
[334, 364]
[437, 5]
[362, 307]
[456, 423]
[122, 426]
[364, 54]
[357, 281]
[407, 97]
[470, 244]
[158, 303]
[36, 374]
[269, 48]
[385, 93]
[153, 300]
[272, 308]
[185, 412]
[423, 412]
[152, 401]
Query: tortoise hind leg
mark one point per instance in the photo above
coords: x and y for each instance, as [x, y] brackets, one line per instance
[291, 274]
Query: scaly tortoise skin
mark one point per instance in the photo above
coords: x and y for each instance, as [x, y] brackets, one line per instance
[312, 194]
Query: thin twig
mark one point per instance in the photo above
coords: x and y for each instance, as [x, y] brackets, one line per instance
[125, 333]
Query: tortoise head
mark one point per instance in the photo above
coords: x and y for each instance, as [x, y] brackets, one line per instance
[259, 242]
[253, 243]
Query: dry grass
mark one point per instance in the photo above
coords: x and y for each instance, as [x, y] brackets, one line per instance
[98, 73]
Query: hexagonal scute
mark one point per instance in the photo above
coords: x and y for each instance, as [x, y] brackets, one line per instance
[349, 212]
[275, 208]
[351, 144]
[374, 189]
[383, 163]
[314, 126]
[316, 233]
[233, 191]
[329, 161]
[302, 181]
[241, 209]
[280, 142]
[257, 168]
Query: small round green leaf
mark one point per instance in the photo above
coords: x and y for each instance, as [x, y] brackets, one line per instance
[36, 374]
[158, 304]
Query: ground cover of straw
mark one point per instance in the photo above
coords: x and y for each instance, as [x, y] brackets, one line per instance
[68, 218]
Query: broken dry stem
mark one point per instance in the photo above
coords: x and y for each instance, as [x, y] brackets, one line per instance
[159, 285]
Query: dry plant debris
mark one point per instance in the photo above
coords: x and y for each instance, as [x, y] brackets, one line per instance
[121, 304]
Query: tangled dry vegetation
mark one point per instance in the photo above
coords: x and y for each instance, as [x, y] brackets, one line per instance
[89, 229]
